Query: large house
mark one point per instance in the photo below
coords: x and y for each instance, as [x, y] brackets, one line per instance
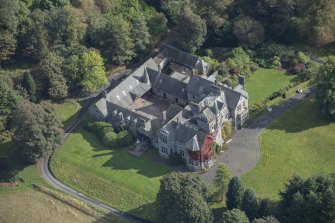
[174, 103]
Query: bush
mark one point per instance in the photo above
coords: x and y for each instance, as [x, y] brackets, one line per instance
[106, 132]
[175, 159]
[110, 139]
[100, 128]
[125, 138]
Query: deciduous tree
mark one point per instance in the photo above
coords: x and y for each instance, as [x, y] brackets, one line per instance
[191, 30]
[234, 216]
[182, 198]
[37, 130]
[326, 89]
[249, 31]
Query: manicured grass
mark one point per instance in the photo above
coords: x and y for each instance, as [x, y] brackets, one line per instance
[66, 111]
[298, 142]
[112, 176]
[264, 82]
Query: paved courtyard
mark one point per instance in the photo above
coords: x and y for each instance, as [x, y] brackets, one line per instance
[243, 152]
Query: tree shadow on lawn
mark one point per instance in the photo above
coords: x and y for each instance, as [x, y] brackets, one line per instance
[122, 160]
[303, 115]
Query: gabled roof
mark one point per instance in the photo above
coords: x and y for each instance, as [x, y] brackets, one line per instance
[102, 106]
[136, 83]
[168, 84]
[184, 133]
[199, 86]
[185, 59]
[232, 97]
[208, 113]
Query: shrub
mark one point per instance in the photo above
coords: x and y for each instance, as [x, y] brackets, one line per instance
[298, 68]
[125, 138]
[100, 127]
[175, 159]
[110, 139]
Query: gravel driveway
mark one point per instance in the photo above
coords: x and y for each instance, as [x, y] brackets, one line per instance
[243, 152]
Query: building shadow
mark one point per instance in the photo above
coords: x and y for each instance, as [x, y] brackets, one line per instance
[120, 159]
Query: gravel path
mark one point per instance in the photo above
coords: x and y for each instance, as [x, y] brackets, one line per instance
[244, 152]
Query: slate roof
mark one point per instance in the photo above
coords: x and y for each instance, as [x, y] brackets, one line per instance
[168, 84]
[232, 97]
[208, 113]
[184, 133]
[199, 86]
[135, 84]
[102, 106]
[185, 59]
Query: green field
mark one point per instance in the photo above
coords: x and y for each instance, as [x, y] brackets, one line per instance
[299, 142]
[264, 82]
[66, 111]
[112, 176]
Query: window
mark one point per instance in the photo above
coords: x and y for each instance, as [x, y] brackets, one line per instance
[164, 150]
[177, 100]
[182, 154]
[164, 95]
[164, 140]
[197, 163]
[190, 161]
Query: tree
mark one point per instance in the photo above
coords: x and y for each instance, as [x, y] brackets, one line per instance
[66, 26]
[221, 179]
[173, 9]
[37, 130]
[140, 33]
[249, 31]
[310, 200]
[234, 216]
[182, 198]
[214, 11]
[7, 99]
[326, 89]
[112, 36]
[93, 71]
[33, 37]
[10, 15]
[50, 76]
[268, 219]
[263, 207]
[315, 21]
[191, 30]
[235, 193]
[250, 204]
[7, 45]
[58, 89]
[29, 84]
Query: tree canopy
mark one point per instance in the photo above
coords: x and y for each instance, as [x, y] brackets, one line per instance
[182, 198]
[37, 130]
[326, 89]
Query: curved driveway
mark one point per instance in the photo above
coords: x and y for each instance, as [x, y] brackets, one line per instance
[48, 177]
[244, 152]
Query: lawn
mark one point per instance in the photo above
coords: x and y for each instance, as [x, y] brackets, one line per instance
[298, 142]
[66, 111]
[35, 206]
[264, 82]
[112, 176]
